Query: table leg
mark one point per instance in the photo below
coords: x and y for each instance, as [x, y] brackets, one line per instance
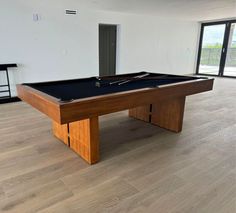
[61, 132]
[167, 114]
[142, 113]
[82, 137]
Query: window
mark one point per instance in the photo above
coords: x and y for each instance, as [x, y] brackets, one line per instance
[217, 49]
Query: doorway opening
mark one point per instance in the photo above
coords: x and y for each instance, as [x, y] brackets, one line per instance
[107, 49]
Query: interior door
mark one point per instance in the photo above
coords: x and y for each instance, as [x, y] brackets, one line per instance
[107, 49]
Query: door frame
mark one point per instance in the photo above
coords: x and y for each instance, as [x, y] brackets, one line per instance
[224, 47]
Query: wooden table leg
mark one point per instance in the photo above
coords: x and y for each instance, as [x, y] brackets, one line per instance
[61, 132]
[83, 137]
[142, 113]
[169, 114]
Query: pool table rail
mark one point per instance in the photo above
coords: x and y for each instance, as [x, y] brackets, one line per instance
[41, 101]
[105, 104]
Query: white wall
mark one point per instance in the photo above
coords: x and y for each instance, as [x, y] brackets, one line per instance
[63, 47]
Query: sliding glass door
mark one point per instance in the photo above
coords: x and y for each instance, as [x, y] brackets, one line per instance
[217, 49]
[230, 64]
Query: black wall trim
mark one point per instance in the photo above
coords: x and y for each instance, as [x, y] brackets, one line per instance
[9, 100]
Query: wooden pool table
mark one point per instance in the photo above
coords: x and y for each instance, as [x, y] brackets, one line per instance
[75, 105]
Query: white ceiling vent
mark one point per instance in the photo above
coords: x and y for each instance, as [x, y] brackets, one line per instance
[71, 12]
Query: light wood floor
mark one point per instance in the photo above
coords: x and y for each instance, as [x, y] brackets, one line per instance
[143, 168]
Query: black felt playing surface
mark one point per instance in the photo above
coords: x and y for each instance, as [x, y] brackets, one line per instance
[82, 88]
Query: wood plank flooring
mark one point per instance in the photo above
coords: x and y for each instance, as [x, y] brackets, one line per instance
[143, 168]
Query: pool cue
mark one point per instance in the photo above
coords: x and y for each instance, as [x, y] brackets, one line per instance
[127, 80]
[135, 78]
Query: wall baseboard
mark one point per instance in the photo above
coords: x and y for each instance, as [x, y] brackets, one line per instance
[9, 100]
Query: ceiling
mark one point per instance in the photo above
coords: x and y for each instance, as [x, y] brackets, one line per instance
[197, 10]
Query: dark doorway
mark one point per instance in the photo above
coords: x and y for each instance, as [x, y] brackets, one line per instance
[107, 49]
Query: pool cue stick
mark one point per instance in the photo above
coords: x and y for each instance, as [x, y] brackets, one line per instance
[135, 78]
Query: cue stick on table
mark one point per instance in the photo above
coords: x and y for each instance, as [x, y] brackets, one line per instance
[122, 81]
[137, 78]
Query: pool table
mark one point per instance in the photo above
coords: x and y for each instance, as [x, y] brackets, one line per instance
[75, 105]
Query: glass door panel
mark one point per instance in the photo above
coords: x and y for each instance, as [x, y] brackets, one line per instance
[230, 63]
[212, 43]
